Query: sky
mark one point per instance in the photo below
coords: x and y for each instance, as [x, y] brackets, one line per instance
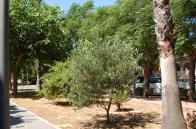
[65, 4]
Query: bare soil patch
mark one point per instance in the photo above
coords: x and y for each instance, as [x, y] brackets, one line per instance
[136, 114]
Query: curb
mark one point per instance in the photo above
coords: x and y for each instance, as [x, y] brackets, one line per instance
[40, 118]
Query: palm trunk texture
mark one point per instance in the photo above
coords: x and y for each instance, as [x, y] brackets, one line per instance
[172, 116]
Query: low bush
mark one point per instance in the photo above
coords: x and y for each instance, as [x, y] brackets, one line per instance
[139, 91]
[183, 93]
[56, 82]
[120, 97]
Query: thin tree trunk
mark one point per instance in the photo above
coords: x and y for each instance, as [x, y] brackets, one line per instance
[10, 81]
[172, 116]
[192, 78]
[38, 70]
[108, 110]
[118, 105]
[147, 74]
[15, 84]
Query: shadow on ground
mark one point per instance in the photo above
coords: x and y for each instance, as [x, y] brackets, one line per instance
[27, 94]
[14, 120]
[19, 116]
[62, 103]
[124, 109]
[119, 121]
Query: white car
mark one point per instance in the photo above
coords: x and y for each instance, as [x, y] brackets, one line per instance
[155, 84]
[183, 83]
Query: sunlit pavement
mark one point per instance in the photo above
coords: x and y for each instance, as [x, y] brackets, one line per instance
[26, 87]
[21, 118]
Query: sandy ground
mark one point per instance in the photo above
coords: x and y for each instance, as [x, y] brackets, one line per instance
[136, 114]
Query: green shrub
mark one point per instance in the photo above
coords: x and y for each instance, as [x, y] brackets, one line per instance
[183, 93]
[139, 91]
[120, 97]
[150, 91]
[56, 82]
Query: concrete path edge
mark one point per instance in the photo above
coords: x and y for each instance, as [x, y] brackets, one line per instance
[40, 118]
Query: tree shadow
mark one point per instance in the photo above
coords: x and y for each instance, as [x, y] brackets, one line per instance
[17, 117]
[14, 110]
[62, 103]
[15, 120]
[126, 121]
[27, 94]
[124, 109]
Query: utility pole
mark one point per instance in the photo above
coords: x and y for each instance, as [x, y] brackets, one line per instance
[4, 100]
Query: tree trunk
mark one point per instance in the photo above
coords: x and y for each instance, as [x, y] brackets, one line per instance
[192, 78]
[38, 71]
[10, 81]
[172, 116]
[15, 83]
[118, 105]
[148, 67]
[108, 110]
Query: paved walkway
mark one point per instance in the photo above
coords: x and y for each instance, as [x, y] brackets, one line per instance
[20, 118]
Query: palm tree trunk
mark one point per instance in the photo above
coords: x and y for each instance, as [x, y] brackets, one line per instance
[192, 78]
[172, 116]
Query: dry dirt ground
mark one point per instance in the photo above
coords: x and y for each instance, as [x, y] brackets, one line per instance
[136, 114]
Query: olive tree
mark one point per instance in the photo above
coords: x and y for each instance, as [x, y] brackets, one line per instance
[99, 70]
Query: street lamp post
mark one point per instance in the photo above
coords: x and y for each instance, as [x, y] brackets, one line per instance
[4, 101]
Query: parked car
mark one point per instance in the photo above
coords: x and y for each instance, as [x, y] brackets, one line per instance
[155, 85]
[183, 83]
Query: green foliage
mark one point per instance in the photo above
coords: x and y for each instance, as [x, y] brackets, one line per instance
[139, 91]
[100, 68]
[185, 26]
[56, 82]
[35, 28]
[183, 93]
[35, 32]
[121, 96]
